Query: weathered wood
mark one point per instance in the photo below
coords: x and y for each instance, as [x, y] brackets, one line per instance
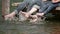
[5, 7]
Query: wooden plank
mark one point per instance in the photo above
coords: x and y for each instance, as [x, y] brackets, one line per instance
[5, 7]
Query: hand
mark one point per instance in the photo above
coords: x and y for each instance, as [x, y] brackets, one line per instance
[25, 14]
[55, 1]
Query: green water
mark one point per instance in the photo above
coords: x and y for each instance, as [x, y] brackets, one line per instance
[49, 27]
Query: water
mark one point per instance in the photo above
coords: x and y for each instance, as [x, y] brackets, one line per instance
[50, 27]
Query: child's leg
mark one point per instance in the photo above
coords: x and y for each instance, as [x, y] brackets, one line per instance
[10, 16]
[19, 8]
[34, 9]
[49, 8]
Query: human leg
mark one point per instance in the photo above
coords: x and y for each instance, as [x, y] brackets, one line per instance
[34, 9]
[16, 11]
[48, 9]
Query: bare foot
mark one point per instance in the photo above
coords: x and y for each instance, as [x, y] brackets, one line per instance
[40, 14]
[33, 18]
[9, 16]
[25, 14]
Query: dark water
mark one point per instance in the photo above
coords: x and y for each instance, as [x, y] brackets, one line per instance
[50, 27]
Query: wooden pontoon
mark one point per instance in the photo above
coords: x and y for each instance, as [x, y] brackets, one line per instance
[5, 7]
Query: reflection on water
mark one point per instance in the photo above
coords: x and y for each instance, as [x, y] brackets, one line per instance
[23, 28]
[54, 27]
